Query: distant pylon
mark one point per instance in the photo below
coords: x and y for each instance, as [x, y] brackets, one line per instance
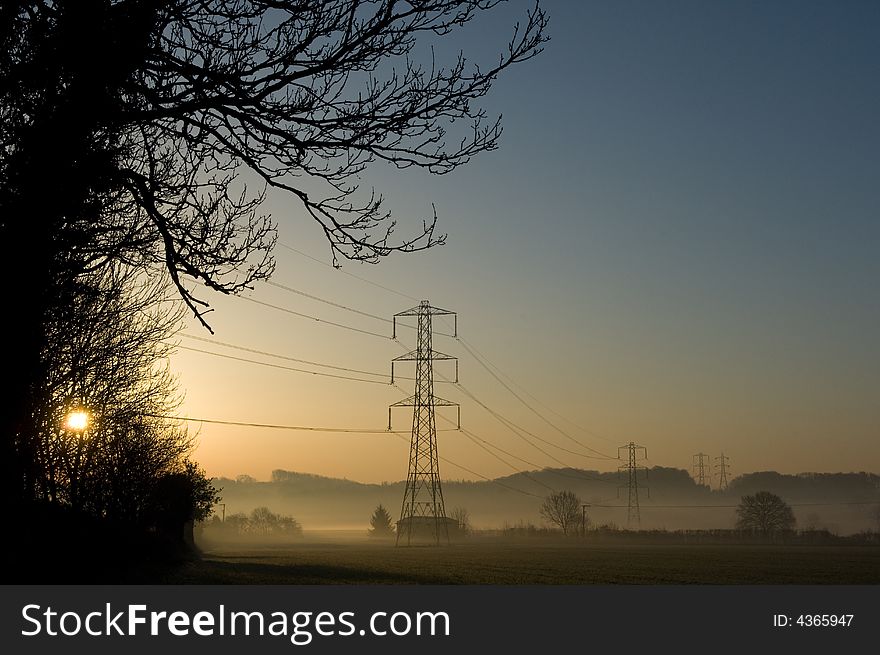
[423, 496]
[702, 470]
[633, 516]
[722, 466]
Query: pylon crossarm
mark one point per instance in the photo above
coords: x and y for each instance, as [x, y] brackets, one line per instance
[408, 357]
[425, 308]
[414, 355]
[442, 402]
[441, 356]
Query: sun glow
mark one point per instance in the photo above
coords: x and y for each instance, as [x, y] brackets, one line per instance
[77, 420]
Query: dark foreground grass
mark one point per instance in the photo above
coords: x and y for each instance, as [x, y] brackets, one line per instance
[526, 563]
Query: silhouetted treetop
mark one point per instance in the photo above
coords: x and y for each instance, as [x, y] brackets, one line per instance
[764, 512]
[562, 509]
[172, 105]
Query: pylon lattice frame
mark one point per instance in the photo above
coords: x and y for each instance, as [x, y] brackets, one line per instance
[633, 515]
[722, 466]
[703, 470]
[423, 495]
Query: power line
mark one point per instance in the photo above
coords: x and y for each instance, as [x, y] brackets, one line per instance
[517, 429]
[314, 318]
[399, 434]
[332, 303]
[281, 366]
[472, 350]
[520, 432]
[423, 496]
[225, 344]
[577, 475]
[276, 355]
[476, 354]
[479, 475]
[475, 437]
[327, 302]
[272, 426]
[482, 443]
[287, 310]
[510, 426]
[540, 402]
[469, 348]
[493, 481]
[539, 467]
[344, 272]
[507, 422]
[488, 368]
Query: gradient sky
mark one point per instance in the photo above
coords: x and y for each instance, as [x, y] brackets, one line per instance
[676, 244]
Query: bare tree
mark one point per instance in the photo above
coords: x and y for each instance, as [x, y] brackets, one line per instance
[148, 119]
[562, 509]
[109, 335]
[463, 518]
[764, 512]
[173, 100]
[263, 521]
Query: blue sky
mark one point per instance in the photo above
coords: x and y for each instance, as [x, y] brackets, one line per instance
[676, 244]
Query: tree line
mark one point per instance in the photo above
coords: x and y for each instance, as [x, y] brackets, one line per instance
[261, 522]
[763, 513]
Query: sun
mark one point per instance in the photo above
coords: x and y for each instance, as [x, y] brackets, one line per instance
[78, 420]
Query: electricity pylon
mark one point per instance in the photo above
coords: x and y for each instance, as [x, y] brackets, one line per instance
[633, 515]
[423, 496]
[722, 471]
[702, 470]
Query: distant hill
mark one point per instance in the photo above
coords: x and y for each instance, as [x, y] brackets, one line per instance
[320, 502]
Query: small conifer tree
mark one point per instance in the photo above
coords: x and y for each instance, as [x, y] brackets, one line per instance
[381, 523]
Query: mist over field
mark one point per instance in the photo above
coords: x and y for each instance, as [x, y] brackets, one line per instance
[842, 503]
[308, 529]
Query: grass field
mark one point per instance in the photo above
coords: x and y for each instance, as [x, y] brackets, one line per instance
[528, 563]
